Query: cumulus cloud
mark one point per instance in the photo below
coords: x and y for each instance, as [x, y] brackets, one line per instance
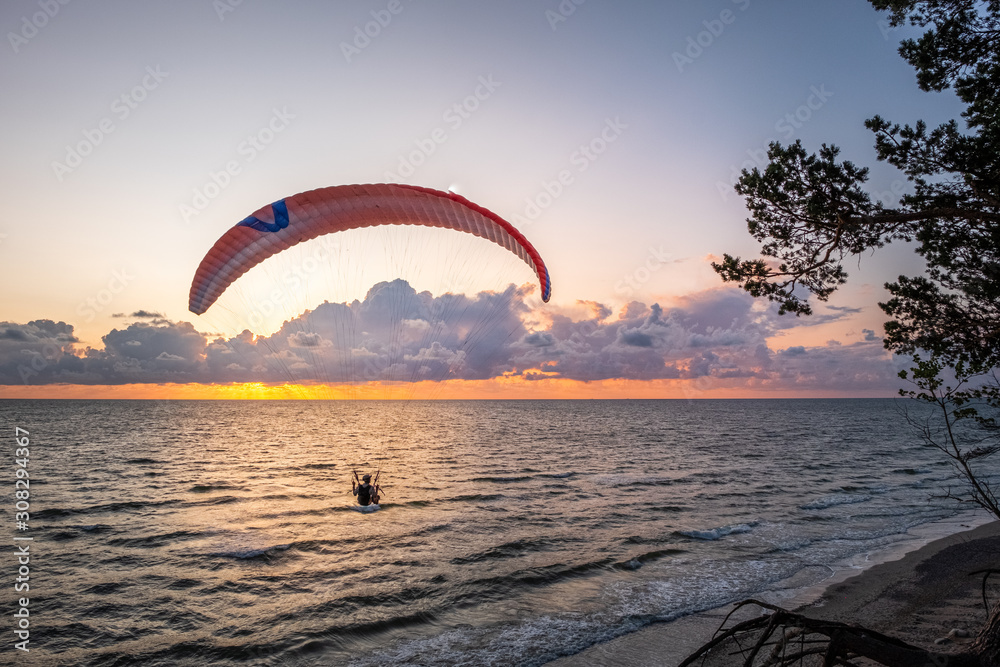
[45, 352]
[399, 335]
[836, 367]
[708, 333]
[28, 349]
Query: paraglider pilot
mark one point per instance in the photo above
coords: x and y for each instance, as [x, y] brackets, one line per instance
[366, 493]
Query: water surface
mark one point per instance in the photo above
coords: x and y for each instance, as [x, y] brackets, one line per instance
[222, 533]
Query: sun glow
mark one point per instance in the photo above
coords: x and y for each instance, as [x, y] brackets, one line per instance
[537, 385]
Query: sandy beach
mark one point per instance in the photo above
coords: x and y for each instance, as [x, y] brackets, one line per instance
[925, 595]
[919, 598]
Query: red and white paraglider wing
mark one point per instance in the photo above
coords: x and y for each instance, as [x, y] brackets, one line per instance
[308, 215]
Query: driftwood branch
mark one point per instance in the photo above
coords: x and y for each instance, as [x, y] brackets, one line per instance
[986, 575]
[839, 643]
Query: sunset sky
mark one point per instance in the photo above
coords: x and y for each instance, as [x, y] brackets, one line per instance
[135, 134]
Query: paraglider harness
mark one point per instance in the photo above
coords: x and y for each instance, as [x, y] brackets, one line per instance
[372, 494]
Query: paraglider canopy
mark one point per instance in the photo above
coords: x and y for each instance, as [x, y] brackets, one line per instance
[307, 215]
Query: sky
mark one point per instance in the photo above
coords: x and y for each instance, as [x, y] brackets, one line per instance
[610, 133]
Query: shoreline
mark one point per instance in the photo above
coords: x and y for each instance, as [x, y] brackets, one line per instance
[923, 596]
[917, 590]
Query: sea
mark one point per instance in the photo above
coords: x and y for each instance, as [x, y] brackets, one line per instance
[509, 532]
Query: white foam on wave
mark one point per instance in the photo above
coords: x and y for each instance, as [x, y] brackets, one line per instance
[835, 500]
[530, 643]
[627, 606]
[364, 509]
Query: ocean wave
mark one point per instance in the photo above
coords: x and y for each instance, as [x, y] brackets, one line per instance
[149, 541]
[308, 512]
[248, 553]
[63, 535]
[219, 500]
[326, 546]
[912, 471]
[500, 587]
[106, 588]
[718, 533]
[222, 486]
[639, 560]
[54, 512]
[430, 529]
[529, 642]
[476, 497]
[95, 528]
[350, 507]
[507, 550]
[835, 500]
[365, 509]
[633, 480]
[666, 509]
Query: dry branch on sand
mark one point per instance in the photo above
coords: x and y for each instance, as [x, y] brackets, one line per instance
[783, 638]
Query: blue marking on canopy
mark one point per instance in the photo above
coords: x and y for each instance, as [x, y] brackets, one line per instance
[280, 212]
